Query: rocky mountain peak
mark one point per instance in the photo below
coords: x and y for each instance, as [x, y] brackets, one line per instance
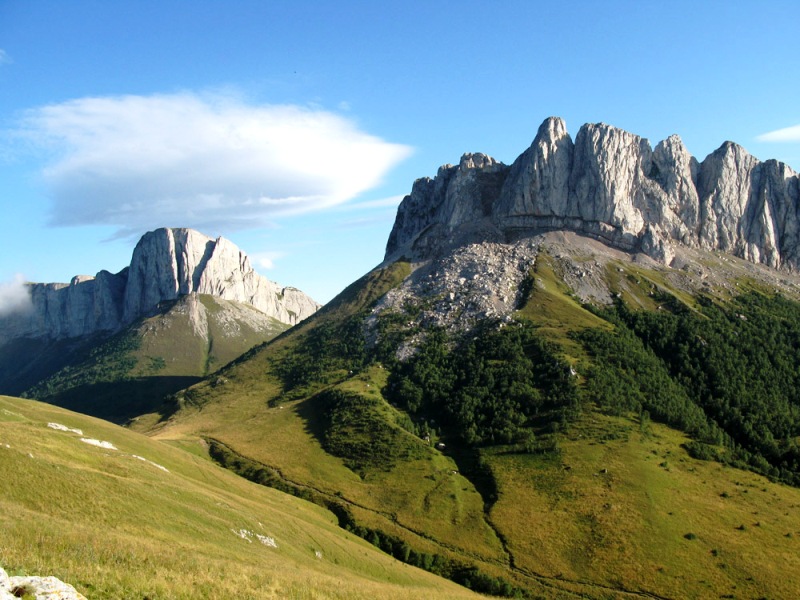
[166, 264]
[552, 128]
[478, 160]
[611, 185]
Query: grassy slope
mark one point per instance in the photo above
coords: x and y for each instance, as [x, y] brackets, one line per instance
[24, 361]
[615, 512]
[619, 502]
[604, 517]
[551, 307]
[130, 374]
[118, 527]
[416, 495]
[420, 495]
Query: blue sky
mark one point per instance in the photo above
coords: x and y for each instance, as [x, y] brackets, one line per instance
[294, 128]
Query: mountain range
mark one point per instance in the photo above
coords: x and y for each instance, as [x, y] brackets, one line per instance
[611, 185]
[185, 306]
[577, 376]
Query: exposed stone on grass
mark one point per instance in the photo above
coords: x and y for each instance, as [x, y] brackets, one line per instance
[41, 588]
[99, 443]
[150, 462]
[248, 536]
[60, 427]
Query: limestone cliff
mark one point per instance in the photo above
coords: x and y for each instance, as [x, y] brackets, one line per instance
[166, 264]
[611, 185]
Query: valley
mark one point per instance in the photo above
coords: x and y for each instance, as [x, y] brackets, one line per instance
[572, 377]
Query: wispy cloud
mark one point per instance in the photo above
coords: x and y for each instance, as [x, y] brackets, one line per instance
[14, 296]
[5, 59]
[266, 260]
[390, 202]
[365, 222]
[787, 134]
[209, 162]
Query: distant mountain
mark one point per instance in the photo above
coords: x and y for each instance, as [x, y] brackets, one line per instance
[166, 264]
[114, 345]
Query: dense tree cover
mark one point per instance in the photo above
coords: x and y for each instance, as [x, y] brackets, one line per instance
[725, 374]
[356, 430]
[487, 389]
[327, 349]
[106, 362]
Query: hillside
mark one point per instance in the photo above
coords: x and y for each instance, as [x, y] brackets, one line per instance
[133, 371]
[574, 377]
[115, 345]
[118, 515]
[548, 482]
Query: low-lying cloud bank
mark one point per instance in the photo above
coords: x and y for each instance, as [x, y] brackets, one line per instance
[209, 162]
[15, 296]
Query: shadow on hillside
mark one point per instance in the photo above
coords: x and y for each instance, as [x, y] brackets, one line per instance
[24, 362]
[121, 401]
[312, 412]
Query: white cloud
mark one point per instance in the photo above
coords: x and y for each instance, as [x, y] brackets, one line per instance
[5, 59]
[266, 260]
[390, 202]
[209, 162]
[15, 296]
[787, 134]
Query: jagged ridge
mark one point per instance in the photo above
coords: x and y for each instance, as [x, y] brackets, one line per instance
[166, 264]
[612, 185]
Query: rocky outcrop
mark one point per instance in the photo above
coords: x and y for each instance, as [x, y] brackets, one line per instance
[40, 588]
[61, 310]
[611, 185]
[458, 196]
[166, 264]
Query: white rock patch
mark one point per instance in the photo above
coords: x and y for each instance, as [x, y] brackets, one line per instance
[267, 540]
[248, 535]
[42, 588]
[99, 443]
[156, 465]
[60, 427]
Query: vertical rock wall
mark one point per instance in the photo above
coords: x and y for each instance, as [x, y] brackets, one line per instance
[166, 264]
[611, 185]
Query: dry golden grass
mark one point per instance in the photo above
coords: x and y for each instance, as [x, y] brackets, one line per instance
[118, 527]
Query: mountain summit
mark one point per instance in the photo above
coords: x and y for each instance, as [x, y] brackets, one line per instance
[611, 185]
[166, 264]
[519, 398]
[114, 345]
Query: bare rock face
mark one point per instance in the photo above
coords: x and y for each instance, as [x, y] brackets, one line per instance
[611, 185]
[60, 310]
[166, 264]
[41, 588]
[457, 196]
[536, 192]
